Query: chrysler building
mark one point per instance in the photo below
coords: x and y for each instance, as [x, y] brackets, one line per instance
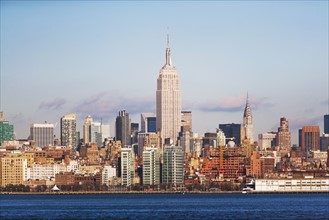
[168, 100]
[247, 123]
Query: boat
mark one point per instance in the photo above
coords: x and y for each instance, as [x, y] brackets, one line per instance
[246, 190]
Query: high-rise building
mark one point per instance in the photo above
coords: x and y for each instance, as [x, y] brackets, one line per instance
[186, 121]
[127, 166]
[232, 131]
[122, 128]
[105, 130]
[310, 138]
[148, 140]
[247, 123]
[42, 134]
[173, 165]
[86, 127]
[326, 123]
[151, 166]
[324, 142]
[168, 100]
[148, 123]
[69, 130]
[283, 137]
[95, 134]
[134, 128]
[6, 131]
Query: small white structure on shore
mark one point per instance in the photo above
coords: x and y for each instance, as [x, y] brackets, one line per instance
[55, 189]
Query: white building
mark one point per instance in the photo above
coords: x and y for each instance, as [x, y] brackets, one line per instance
[108, 172]
[266, 140]
[45, 171]
[168, 100]
[151, 166]
[292, 185]
[127, 166]
[42, 134]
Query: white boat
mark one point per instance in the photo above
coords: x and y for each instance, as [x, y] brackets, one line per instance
[246, 190]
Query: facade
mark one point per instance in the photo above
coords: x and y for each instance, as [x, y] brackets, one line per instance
[134, 128]
[45, 171]
[247, 123]
[326, 123]
[42, 134]
[148, 123]
[168, 100]
[324, 142]
[267, 140]
[310, 138]
[122, 128]
[105, 131]
[86, 126]
[95, 133]
[186, 122]
[151, 166]
[69, 130]
[127, 166]
[232, 131]
[148, 140]
[13, 169]
[283, 137]
[108, 172]
[173, 165]
[6, 131]
[292, 185]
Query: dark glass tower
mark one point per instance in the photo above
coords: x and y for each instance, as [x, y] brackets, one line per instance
[122, 128]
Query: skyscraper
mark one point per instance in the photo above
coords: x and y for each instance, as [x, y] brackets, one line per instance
[326, 123]
[86, 127]
[168, 100]
[151, 166]
[122, 128]
[247, 123]
[283, 137]
[310, 138]
[42, 134]
[127, 166]
[148, 123]
[95, 134]
[232, 131]
[173, 165]
[69, 130]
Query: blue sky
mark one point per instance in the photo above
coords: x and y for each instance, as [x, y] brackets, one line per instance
[100, 57]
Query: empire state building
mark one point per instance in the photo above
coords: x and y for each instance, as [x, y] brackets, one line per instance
[168, 100]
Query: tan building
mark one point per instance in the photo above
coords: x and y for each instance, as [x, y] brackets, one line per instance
[310, 138]
[149, 140]
[283, 137]
[168, 100]
[13, 169]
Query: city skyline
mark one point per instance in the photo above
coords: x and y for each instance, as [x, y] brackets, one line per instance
[76, 59]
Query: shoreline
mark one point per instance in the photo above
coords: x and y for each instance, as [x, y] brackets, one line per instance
[158, 192]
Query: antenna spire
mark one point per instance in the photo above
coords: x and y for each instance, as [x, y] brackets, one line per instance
[168, 58]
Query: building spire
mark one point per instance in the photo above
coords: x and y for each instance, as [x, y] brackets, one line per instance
[247, 110]
[168, 58]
